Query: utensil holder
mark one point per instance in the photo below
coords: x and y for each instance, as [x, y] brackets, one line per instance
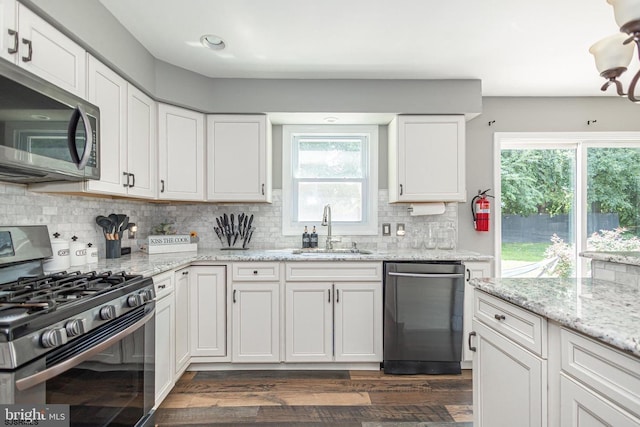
[114, 249]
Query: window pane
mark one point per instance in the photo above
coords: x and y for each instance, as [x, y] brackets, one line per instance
[538, 213]
[345, 200]
[329, 158]
[613, 197]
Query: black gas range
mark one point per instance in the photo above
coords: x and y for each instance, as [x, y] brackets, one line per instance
[63, 333]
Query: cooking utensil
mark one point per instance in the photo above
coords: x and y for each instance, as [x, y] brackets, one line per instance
[114, 223]
[123, 225]
[217, 230]
[105, 224]
[232, 225]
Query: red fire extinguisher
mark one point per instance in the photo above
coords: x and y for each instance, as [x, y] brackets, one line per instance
[480, 209]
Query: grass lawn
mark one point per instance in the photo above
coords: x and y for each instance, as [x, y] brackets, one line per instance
[524, 251]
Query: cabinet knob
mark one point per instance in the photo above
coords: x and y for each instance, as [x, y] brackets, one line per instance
[30, 53]
[471, 334]
[13, 49]
[499, 316]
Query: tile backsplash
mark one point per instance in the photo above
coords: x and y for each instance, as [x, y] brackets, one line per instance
[75, 215]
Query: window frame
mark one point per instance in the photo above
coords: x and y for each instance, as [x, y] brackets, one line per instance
[581, 141]
[369, 224]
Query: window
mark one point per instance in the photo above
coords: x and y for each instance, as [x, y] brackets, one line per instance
[334, 165]
[561, 194]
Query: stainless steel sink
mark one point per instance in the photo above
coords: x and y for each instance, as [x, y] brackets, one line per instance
[332, 251]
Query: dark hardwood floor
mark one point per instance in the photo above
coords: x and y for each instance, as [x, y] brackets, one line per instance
[318, 398]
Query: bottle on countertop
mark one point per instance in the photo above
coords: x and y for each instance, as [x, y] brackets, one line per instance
[313, 241]
[305, 238]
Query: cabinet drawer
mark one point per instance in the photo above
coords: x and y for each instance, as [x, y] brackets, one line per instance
[255, 271]
[333, 271]
[521, 326]
[605, 369]
[163, 284]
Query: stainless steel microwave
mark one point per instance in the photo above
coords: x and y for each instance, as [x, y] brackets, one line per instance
[46, 133]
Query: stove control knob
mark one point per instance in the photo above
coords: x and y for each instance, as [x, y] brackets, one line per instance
[108, 312]
[135, 300]
[148, 294]
[53, 337]
[75, 327]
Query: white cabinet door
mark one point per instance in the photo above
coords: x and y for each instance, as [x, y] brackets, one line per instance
[238, 158]
[473, 270]
[9, 37]
[108, 91]
[426, 159]
[49, 54]
[509, 383]
[207, 310]
[358, 322]
[309, 322]
[182, 321]
[581, 407]
[180, 153]
[141, 140]
[256, 322]
[165, 351]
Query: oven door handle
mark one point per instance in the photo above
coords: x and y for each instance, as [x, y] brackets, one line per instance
[428, 275]
[40, 377]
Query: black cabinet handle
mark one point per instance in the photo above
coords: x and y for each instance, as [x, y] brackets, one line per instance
[162, 185]
[16, 40]
[184, 273]
[162, 286]
[401, 190]
[468, 274]
[234, 296]
[263, 189]
[127, 183]
[329, 295]
[337, 295]
[471, 334]
[255, 272]
[133, 180]
[30, 54]
[499, 316]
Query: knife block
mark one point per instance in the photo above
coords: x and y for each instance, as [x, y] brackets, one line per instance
[114, 249]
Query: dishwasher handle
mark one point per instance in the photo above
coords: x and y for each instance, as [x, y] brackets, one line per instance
[429, 275]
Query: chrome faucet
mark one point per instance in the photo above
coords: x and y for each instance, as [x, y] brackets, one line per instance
[326, 221]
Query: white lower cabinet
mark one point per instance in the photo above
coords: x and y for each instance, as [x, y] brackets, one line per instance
[473, 270]
[181, 329]
[509, 382]
[582, 407]
[207, 310]
[333, 321]
[255, 322]
[509, 364]
[165, 336]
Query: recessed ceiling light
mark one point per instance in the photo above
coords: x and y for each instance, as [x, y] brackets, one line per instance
[331, 119]
[212, 42]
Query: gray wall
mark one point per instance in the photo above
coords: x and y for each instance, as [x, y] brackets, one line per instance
[530, 115]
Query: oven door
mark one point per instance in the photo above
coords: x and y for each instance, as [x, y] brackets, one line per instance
[107, 377]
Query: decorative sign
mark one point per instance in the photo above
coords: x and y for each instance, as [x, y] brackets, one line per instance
[172, 239]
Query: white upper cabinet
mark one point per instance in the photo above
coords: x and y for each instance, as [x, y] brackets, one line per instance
[41, 49]
[108, 91]
[426, 159]
[180, 154]
[238, 158]
[140, 176]
[9, 39]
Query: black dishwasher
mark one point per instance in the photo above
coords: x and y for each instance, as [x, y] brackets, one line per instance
[423, 311]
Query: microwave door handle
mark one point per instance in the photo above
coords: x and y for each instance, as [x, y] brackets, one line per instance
[428, 275]
[47, 374]
[78, 114]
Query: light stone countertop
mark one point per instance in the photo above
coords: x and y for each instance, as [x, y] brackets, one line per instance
[149, 265]
[606, 311]
[631, 258]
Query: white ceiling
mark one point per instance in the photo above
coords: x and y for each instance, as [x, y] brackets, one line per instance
[516, 47]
